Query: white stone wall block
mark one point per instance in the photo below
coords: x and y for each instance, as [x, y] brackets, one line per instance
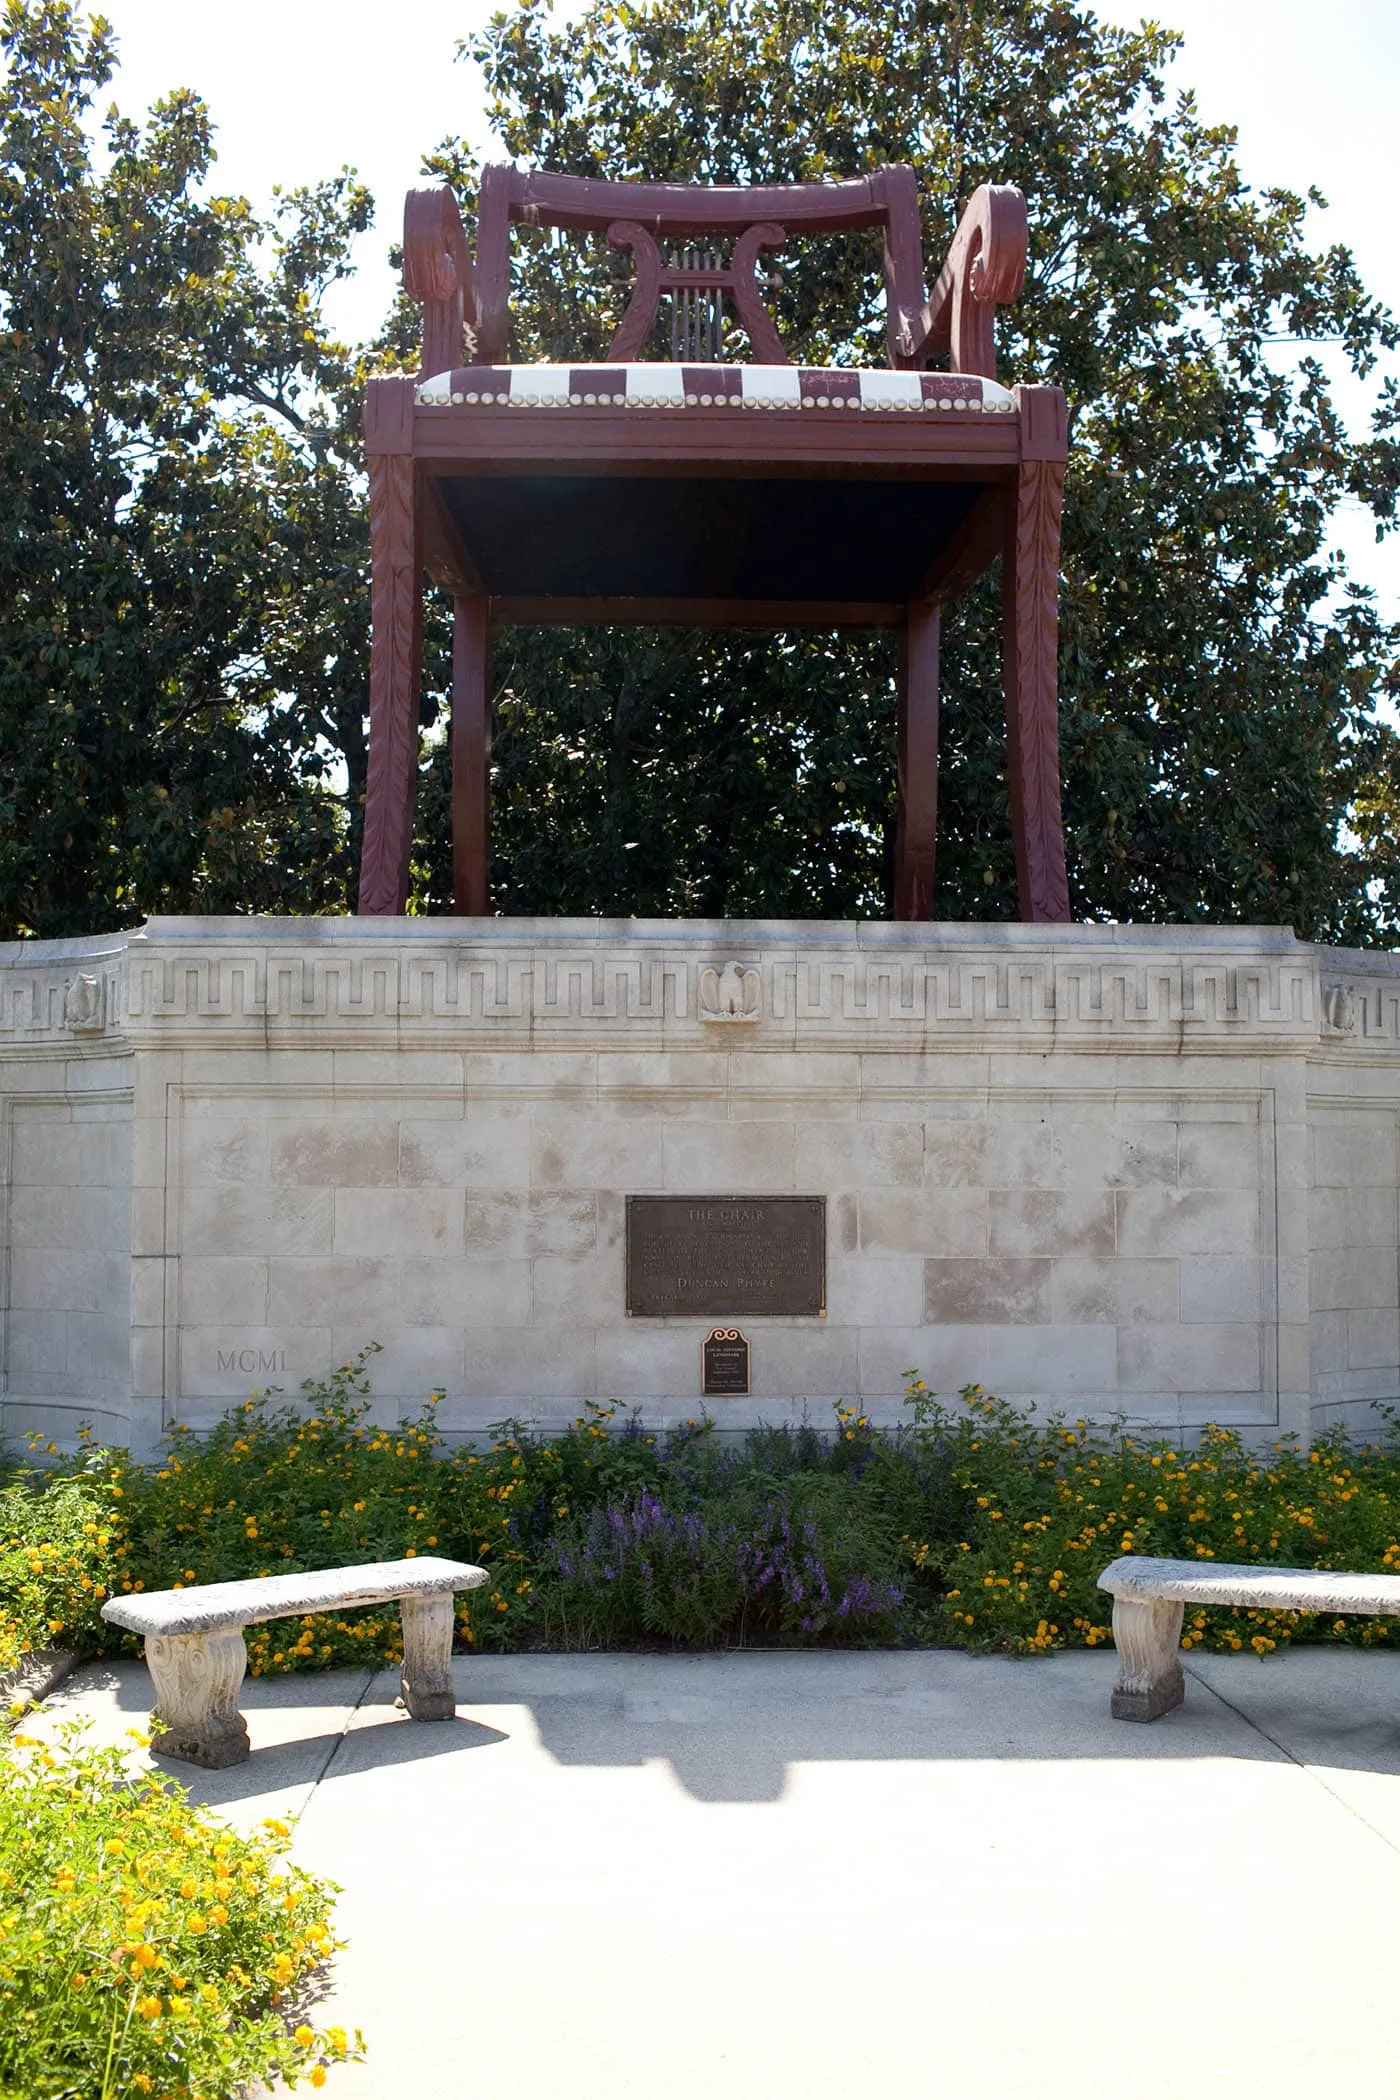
[1187, 1221]
[547, 1075]
[230, 1363]
[858, 1155]
[398, 1222]
[1216, 1156]
[259, 1221]
[528, 1222]
[488, 1149]
[1098, 1154]
[874, 1291]
[1329, 1342]
[1355, 1152]
[573, 1290]
[581, 1148]
[654, 1360]
[64, 1217]
[728, 1159]
[816, 1361]
[1040, 1362]
[74, 1280]
[389, 1291]
[226, 1148]
[412, 1362]
[226, 1290]
[1373, 1340]
[341, 1151]
[1093, 1291]
[1200, 1359]
[983, 1292]
[51, 1152]
[1329, 1220]
[1222, 1287]
[1352, 1278]
[528, 1364]
[1371, 1217]
[924, 1221]
[1050, 1222]
[151, 1274]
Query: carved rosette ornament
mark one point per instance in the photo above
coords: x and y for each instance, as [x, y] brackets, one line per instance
[1339, 1009]
[731, 994]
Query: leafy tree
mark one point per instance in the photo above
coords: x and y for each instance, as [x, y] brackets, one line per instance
[183, 631]
[1219, 675]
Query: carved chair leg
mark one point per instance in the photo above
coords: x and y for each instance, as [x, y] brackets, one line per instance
[196, 1678]
[471, 757]
[427, 1658]
[1030, 599]
[916, 819]
[1147, 1635]
[396, 610]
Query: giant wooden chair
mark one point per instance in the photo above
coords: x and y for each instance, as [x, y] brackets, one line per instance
[709, 494]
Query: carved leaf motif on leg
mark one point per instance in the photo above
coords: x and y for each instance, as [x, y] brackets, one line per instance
[196, 1678]
[1147, 1635]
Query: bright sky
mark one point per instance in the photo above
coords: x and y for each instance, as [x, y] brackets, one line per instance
[301, 88]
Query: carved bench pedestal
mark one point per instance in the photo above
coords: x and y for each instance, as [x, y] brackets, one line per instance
[196, 1678]
[1147, 1636]
[426, 1677]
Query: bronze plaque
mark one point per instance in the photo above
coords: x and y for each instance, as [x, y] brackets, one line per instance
[726, 1255]
[724, 1364]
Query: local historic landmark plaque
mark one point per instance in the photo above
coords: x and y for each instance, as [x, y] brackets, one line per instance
[724, 1364]
[726, 1256]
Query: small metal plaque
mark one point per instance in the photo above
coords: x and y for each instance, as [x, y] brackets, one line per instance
[721, 1256]
[724, 1363]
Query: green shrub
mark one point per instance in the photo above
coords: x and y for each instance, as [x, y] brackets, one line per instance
[974, 1525]
[145, 1948]
[58, 1558]
[1050, 1505]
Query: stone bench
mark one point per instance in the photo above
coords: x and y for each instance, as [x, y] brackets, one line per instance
[196, 1654]
[1149, 1597]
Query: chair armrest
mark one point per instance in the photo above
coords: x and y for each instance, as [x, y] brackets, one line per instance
[438, 271]
[985, 269]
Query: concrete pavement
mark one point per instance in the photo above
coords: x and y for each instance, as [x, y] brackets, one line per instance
[840, 1877]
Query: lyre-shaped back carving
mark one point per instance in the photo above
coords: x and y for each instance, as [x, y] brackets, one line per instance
[697, 306]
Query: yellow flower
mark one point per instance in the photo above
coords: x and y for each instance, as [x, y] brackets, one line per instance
[318, 2074]
[196, 1923]
[305, 2035]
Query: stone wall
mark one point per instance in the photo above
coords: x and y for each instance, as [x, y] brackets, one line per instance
[1137, 1171]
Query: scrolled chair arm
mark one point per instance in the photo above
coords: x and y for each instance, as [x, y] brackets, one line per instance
[985, 269]
[438, 271]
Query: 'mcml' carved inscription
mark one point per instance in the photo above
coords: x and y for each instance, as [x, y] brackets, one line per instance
[726, 1255]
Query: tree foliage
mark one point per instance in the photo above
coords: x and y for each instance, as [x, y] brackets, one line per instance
[183, 630]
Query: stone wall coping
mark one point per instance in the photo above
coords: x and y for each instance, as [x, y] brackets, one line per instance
[1139, 1577]
[208, 1607]
[960, 935]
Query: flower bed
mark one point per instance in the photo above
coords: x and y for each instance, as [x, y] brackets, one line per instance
[973, 1526]
[145, 1948]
